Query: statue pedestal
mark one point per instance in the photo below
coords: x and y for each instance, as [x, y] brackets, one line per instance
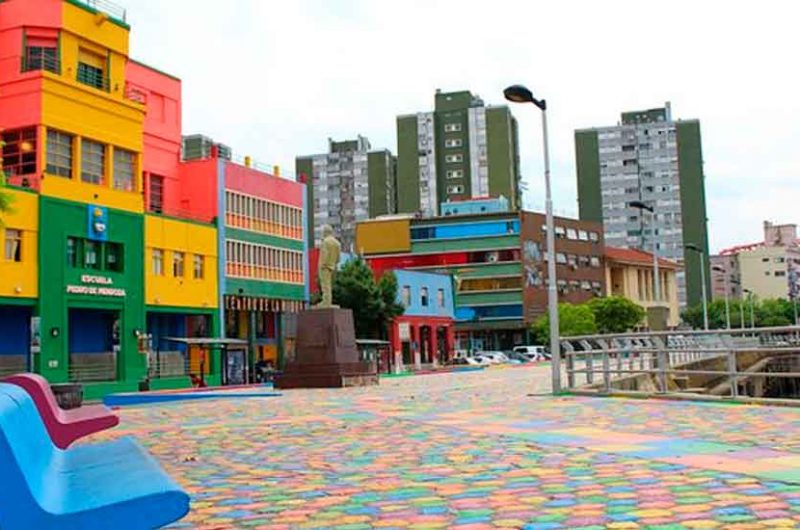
[326, 355]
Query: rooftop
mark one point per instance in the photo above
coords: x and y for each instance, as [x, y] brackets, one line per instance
[638, 257]
[111, 9]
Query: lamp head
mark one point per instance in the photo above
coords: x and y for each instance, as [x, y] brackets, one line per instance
[521, 94]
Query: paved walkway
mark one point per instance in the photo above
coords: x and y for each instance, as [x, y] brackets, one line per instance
[476, 450]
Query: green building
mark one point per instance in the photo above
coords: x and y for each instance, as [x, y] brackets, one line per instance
[349, 183]
[462, 150]
[650, 158]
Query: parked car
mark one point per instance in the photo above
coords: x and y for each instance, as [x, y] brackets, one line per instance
[518, 357]
[534, 353]
[463, 361]
[494, 357]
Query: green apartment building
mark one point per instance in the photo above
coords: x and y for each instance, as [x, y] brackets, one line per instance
[461, 150]
[650, 158]
[349, 183]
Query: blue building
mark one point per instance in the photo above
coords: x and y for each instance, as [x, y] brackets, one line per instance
[424, 334]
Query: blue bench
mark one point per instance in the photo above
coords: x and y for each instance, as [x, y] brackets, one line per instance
[100, 486]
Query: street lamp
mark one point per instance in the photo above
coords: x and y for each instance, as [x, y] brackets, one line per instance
[727, 301]
[521, 94]
[691, 246]
[656, 276]
[750, 295]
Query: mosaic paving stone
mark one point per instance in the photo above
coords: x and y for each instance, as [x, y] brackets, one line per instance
[472, 451]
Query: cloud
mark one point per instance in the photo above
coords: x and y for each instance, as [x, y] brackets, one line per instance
[275, 79]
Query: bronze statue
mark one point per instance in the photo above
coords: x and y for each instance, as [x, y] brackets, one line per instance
[329, 251]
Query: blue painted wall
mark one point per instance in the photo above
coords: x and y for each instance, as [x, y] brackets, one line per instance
[467, 229]
[485, 312]
[415, 281]
[162, 325]
[15, 331]
[499, 204]
[90, 331]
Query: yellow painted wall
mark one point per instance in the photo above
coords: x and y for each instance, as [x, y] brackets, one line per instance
[383, 236]
[171, 235]
[629, 274]
[21, 279]
[87, 112]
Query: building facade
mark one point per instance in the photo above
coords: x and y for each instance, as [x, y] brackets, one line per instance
[497, 261]
[651, 158]
[765, 269]
[630, 274]
[423, 335]
[461, 150]
[726, 278]
[349, 183]
[115, 245]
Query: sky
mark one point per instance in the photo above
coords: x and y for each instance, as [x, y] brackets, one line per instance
[275, 79]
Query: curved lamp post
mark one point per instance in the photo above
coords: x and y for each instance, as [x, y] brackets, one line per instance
[521, 94]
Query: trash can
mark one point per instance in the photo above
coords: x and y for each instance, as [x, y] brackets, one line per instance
[68, 395]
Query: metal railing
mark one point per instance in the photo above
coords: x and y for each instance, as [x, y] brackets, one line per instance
[92, 367]
[104, 6]
[162, 364]
[13, 364]
[738, 363]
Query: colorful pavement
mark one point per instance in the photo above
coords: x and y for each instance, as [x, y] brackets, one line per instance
[472, 451]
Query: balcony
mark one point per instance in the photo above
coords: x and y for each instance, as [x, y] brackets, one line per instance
[104, 6]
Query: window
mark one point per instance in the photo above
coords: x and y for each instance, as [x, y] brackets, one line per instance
[594, 237]
[452, 127]
[93, 161]
[91, 70]
[561, 258]
[455, 173]
[158, 262]
[440, 297]
[123, 170]
[452, 159]
[59, 154]
[19, 152]
[91, 254]
[423, 296]
[405, 296]
[453, 142]
[457, 188]
[199, 267]
[13, 245]
[561, 233]
[41, 53]
[583, 235]
[780, 273]
[72, 252]
[594, 261]
[572, 233]
[156, 194]
[113, 257]
[177, 264]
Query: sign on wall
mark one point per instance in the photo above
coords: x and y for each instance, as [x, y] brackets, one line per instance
[404, 328]
[97, 229]
[96, 286]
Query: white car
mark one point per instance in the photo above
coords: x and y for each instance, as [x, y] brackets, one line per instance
[481, 360]
[534, 353]
[494, 357]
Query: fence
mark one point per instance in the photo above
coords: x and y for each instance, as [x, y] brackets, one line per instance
[92, 367]
[109, 8]
[753, 363]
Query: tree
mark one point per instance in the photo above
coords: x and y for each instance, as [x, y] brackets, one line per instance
[572, 320]
[615, 314]
[373, 304]
[769, 312]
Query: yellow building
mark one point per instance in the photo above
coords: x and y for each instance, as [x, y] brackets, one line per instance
[629, 273]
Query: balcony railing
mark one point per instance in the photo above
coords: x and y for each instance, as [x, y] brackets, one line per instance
[91, 367]
[104, 6]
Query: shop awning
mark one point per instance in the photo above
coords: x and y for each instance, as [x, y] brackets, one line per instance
[207, 342]
[260, 303]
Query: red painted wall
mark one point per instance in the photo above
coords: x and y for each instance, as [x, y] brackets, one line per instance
[405, 261]
[198, 193]
[261, 184]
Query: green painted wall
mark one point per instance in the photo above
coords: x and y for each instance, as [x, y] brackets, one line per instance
[494, 270]
[263, 239]
[58, 220]
[467, 298]
[407, 165]
[455, 245]
[501, 144]
[380, 178]
[306, 166]
[262, 288]
[587, 161]
[693, 206]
